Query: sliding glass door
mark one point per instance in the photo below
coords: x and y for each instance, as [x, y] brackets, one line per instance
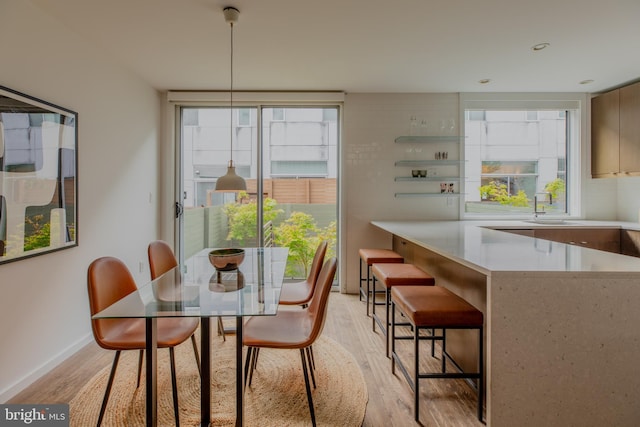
[288, 156]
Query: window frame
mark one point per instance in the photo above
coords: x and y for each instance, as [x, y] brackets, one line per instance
[576, 159]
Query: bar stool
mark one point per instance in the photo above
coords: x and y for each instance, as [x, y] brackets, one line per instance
[391, 275]
[435, 307]
[369, 257]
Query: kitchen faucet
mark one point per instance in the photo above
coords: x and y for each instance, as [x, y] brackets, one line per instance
[548, 198]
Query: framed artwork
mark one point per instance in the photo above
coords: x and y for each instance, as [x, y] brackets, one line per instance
[38, 176]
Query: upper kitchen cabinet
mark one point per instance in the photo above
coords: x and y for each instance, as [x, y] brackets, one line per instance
[630, 129]
[605, 134]
[615, 133]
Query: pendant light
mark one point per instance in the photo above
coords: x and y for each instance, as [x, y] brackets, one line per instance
[231, 183]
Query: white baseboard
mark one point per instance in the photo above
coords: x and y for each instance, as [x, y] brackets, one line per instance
[43, 369]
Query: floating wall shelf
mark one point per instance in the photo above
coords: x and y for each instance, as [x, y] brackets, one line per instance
[428, 162]
[423, 139]
[429, 178]
[427, 194]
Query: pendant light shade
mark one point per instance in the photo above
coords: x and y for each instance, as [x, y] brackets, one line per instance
[231, 182]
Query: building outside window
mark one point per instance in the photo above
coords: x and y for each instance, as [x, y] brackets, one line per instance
[515, 157]
[277, 114]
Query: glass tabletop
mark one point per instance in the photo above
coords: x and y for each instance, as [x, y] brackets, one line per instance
[197, 289]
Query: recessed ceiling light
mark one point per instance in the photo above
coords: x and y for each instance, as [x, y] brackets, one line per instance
[586, 82]
[484, 81]
[540, 46]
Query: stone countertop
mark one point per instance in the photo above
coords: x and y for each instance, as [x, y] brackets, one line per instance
[481, 246]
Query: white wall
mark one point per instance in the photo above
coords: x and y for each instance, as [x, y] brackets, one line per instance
[44, 309]
[371, 124]
[628, 192]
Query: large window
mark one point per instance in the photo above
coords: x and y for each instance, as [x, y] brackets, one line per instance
[518, 161]
[288, 156]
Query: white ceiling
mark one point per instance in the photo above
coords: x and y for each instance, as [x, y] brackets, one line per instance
[366, 45]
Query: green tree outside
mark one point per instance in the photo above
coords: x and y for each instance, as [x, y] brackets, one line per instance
[243, 218]
[300, 232]
[556, 188]
[496, 192]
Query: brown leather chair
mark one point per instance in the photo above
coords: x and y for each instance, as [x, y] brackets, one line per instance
[300, 293]
[161, 260]
[292, 329]
[109, 280]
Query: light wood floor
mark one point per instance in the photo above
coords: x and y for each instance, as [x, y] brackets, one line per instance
[442, 402]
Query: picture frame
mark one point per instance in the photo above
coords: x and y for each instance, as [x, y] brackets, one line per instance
[38, 176]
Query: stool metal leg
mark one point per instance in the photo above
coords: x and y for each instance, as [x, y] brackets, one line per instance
[368, 287]
[361, 279]
[393, 337]
[444, 350]
[480, 370]
[373, 309]
[387, 298]
[416, 381]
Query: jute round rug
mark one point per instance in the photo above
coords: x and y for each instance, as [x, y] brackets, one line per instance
[276, 397]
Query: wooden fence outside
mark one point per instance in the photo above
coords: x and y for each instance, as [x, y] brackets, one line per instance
[294, 190]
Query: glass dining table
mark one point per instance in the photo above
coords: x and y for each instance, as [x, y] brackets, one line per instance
[197, 289]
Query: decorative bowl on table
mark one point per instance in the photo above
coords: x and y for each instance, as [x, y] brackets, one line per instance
[226, 259]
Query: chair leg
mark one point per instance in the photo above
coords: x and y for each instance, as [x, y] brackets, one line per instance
[195, 353]
[254, 363]
[308, 388]
[108, 390]
[248, 364]
[311, 369]
[174, 383]
[221, 329]
[313, 360]
[140, 367]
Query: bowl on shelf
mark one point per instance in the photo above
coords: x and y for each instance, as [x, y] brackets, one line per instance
[226, 259]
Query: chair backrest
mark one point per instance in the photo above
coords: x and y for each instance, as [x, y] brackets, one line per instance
[318, 260]
[161, 258]
[108, 280]
[318, 305]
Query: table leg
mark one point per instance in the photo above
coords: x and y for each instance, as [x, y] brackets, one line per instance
[151, 332]
[239, 374]
[205, 371]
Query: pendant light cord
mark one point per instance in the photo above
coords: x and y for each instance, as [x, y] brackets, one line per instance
[231, 98]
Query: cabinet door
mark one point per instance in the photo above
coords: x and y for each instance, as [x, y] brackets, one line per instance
[403, 248]
[605, 127]
[630, 242]
[630, 129]
[604, 239]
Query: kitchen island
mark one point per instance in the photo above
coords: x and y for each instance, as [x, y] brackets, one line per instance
[561, 320]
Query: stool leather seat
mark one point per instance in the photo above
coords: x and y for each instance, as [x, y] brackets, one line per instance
[373, 256]
[391, 275]
[370, 257]
[435, 307]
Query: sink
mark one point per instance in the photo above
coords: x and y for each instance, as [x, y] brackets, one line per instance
[547, 221]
